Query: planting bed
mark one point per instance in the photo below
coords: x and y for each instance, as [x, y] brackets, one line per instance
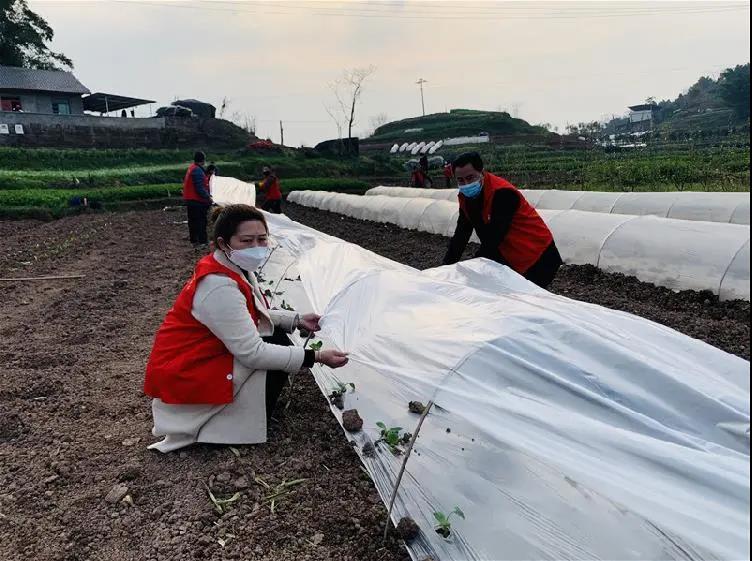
[74, 424]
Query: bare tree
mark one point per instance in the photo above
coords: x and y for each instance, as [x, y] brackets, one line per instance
[347, 91]
[223, 107]
[244, 121]
[334, 113]
[377, 120]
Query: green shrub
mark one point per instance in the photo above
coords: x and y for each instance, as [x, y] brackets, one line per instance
[108, 177]
[60, 198]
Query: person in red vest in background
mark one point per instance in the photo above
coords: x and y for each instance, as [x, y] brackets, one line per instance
[272, 192]
[510, 230]
[448, 174]
[221, 357]
[197, 201]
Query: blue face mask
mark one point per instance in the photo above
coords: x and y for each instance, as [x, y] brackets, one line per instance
[471, 190]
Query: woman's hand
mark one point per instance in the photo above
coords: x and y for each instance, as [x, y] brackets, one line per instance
[309, 322]
[332, 358]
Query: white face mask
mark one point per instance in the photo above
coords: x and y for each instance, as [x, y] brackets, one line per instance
[248, 259]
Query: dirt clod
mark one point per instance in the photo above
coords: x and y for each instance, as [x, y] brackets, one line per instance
[352, 421]
[337, 399]
[369, 450]
[407, 529]
[117, 493]
[416, 407]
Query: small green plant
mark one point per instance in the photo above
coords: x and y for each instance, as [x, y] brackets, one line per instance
[443, 523]
[277, 492]
[336, 398]
[286, 306]
[342, 388]
[392, 438]
[315, 345]
[221, 505]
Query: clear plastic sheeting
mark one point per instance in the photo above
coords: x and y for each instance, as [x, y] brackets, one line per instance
[678, 254]
[736, 280]
[689, 205]
[457, 141]
[563, 430]
[228, 191]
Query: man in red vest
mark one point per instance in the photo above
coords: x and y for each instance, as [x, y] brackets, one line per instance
[197, 201]
[272, 192]
[510, 230]
[448, 174]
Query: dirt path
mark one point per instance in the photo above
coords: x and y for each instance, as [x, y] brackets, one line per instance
[74, 423]
[700, 315]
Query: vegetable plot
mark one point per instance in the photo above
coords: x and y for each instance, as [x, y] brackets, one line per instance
[564, 430]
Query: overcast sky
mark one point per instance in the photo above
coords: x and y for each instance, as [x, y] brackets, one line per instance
[555, 62]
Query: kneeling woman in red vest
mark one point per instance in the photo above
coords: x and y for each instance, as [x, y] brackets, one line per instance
[220, 358]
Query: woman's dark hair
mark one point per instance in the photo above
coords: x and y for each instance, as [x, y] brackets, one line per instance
[199, 157]
[211, 168]
[472, 158]
[225, 220]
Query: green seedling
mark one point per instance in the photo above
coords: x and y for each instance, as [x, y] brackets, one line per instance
[336, 398]
[391, 437]
[221, 505]
[341, 388]
[443, 523]
[286, 306]
[315, 345]
[275, 494]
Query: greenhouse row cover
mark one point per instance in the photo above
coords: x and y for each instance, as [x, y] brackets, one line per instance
[678, 254]
[688, 205]
[562, 430]
[229, 190]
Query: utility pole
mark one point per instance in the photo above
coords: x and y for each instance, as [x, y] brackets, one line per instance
[420, 82]
[281, 134]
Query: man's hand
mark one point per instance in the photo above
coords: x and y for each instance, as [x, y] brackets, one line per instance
[309, 322]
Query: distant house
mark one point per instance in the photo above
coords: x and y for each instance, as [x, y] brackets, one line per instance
[50, 92]
[642, 117]
[55, 92]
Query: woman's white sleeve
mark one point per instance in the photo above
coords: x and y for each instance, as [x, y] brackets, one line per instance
[223, 310]
[284, 319]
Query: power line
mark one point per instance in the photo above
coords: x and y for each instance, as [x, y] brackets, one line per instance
[291, 9]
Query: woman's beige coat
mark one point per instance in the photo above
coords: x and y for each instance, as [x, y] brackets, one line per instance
[219, 304]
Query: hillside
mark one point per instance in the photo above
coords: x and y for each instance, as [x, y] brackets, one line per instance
[458, 122]
[708, 105]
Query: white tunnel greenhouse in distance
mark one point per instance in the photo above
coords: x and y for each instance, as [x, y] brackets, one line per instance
[688, 205]
[678, 254]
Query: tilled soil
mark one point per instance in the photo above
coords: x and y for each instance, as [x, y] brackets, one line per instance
[74, 423]
[698, 314]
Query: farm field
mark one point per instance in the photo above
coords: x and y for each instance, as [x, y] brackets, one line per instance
[75, 423]
[112, 177]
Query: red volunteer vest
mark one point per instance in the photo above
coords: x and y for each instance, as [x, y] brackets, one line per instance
[273, 193]
[189, 189]
[188, 363]
[528, 236]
